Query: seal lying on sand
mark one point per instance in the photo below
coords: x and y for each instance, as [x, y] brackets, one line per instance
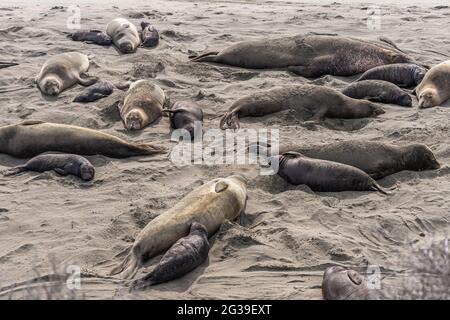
[31, 138]
[323, 175]
[184, 114]
[149, 35]
[435, 86]
[211, 204]
[62, 164]
[404, 75]
[91, 36]
[319, 100]
[62, 71]
[124, 35]
[310, 55]
[97, 91]
[184, 256]
[378, 91]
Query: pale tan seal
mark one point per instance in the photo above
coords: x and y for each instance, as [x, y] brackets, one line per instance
[124, 34]
[435, 86]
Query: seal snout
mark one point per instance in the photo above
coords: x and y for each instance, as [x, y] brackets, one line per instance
[51, 87]
[87, 172]
[126, 47]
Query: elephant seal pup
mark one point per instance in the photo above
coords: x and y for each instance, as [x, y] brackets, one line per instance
[378, 91]
[62, 71]
[319, 100]
[184, 114]
[211, 204]
[142, 105]
[435, 86]
[404, 75]
[31, 138]
[124, 35]
[184, 256]
[97, 91]
[346, 284]
[62, 164]
[323, 175]
[91, 36]
[149, 35]
[310, 55]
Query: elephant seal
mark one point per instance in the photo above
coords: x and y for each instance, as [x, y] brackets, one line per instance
[435, 86]
[142, 105]
[63, 164]
[378, 91]
[184, 256]
[124, 35]
[31, 138]
[404, 75]
[91, 36]
[95, 92]
[319, 100]
[323, 175]
[346, 284]
[211, 204]
[310, 55]
[62, 71]
[184, 114]
[149, 35]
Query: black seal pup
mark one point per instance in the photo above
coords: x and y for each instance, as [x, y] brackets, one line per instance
[149, 35]
[95, 92]
[183, 115]
[404, 75]
[91, 36]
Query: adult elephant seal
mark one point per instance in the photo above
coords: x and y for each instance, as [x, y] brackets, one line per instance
[310, 55]
[62, 71]
[404, 75]
[435, 86]
[346, 284]
[319, 100]
[378, 91]
[184, 115]
[184, 256]
[63, 164]
[211, 205]
[323, 175]
[124, 35]
[31, 138]
[142, 105]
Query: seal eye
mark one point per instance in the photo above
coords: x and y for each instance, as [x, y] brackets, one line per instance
[354, 277]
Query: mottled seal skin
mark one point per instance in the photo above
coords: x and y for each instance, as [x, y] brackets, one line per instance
[63, 164]
[320, 100]
[124, 35]
[149, 35]
[95, 92]
[31, 138]
[184, 256]
[142, 105]
[435, 86]
[346, 284]
[378, 91]
[211, 204]
[184, 114]
[91, 36]
[310, 55]
[62, 71]
[323, 175]
[404, 75]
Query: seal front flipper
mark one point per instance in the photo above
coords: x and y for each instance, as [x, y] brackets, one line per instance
[61, 171]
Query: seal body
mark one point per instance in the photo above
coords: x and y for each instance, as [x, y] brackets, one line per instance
[142, 105]
[63, 164]
[95, 92]
[184, 114]
[91, 36]
[124, 35]
[435, 86]
[62, 71]
[149, 35]
[184, 256]
[319, 100]
[404, 75]
[211, 204]
[32, 138]
[378, 91]
[310, 55]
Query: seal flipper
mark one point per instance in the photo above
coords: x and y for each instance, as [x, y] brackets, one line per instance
[61, 171]
[31, 122]
[128, 267]
[220, 186]
[207, 57]
[377, 187]
[14, 171]
[86, 82]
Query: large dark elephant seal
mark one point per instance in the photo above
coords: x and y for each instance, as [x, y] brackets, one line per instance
[62, 71]
[91, 36]
[184, 114]
[31, 138]
[319, 100]
[404, 75]
[63, 164]
[323, 175]
[378, 91]
[142, 105]
[95, 92]
[435, 86]
[124, 34]
[184, 256]
[211, 204]
[311, 55]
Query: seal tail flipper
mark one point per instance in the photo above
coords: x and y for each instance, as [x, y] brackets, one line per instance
[207, 57]
[14, 171]
[147, 149]
[377, 187]
[7, 64]
[143, 283]
[390, 42]
[128, 268]
[88, 81]
[230, 120]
